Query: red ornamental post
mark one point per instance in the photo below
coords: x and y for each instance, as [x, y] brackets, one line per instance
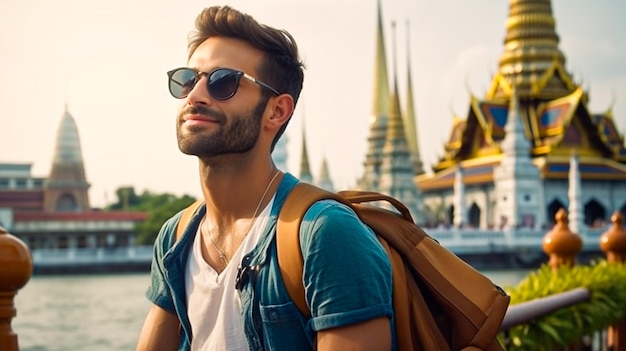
[561, 244]
[16, 268]
[613, 243]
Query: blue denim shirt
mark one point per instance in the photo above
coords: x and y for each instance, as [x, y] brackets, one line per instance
[347, 277]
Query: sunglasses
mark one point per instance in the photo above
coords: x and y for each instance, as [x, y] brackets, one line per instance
[222, 83]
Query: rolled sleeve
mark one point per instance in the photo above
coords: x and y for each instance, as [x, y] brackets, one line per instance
[158, 292]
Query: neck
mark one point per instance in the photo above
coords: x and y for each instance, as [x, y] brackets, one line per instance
[225, 236]
[240, 194]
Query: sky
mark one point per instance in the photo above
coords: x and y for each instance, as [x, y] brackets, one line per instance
[106, 61]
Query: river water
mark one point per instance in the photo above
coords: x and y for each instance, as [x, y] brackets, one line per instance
[101, 312]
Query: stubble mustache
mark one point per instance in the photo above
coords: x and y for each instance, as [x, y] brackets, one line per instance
[201, 111]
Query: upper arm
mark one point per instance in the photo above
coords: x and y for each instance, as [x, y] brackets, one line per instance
[374, 335]
[160, 331]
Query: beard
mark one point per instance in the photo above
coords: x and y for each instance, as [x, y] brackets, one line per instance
[235, 135]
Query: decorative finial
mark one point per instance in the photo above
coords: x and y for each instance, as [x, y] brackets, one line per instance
[561, 244]
[613, 241]
[16, 268]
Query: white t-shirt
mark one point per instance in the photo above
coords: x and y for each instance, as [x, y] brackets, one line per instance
[213, 303]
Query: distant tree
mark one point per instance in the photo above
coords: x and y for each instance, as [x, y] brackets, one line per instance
[159, 208]
[126, 199]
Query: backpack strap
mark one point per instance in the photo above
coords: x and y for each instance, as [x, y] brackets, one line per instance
[299, 200]
[288, 251]
[185, 218]
[362, 196]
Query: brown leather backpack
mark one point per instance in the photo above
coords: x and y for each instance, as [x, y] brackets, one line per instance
[440, 302]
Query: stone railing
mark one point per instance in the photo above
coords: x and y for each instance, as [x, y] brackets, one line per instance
[562, 247]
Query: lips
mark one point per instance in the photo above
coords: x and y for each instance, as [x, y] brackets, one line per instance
[200, 118]
[199, 115]
[194, 119]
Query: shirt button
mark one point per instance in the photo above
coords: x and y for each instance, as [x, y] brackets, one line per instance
[273, 315]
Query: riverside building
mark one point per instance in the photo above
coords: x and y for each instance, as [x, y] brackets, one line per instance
[53, 216]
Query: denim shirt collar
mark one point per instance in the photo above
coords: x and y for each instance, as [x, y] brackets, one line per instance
[175, 259]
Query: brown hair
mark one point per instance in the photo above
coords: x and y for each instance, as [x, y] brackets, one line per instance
[281, 67]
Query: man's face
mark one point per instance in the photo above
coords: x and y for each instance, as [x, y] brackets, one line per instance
[208, 127]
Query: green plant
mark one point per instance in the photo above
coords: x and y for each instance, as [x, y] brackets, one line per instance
[606, 283]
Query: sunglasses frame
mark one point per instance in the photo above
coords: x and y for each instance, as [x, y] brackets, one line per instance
[198, 76]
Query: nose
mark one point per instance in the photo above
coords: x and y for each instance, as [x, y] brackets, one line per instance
[200, 93]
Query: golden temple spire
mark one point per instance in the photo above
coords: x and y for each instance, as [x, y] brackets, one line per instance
[531, 58]
[380, 112]
[410, 121]
[324, 181]
[397, 168]
[381, 82]
[395, 127]
[305, 169]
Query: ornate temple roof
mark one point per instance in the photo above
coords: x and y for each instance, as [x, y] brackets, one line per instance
[473, 173]
[480, 171]
[553, 109]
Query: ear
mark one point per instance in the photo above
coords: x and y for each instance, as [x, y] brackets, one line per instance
[280, 110]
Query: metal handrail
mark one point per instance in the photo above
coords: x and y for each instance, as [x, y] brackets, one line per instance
[525, 312]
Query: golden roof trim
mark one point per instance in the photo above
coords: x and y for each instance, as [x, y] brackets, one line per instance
[556, 67]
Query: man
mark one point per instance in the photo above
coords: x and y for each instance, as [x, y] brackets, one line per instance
[218, 287]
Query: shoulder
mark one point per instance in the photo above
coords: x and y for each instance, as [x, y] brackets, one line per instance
[330, 211]
[330, 216]
[331, 223]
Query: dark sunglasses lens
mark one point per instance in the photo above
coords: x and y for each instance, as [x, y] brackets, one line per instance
[182, 82]
[223, 84]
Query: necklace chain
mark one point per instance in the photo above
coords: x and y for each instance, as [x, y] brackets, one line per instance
[256, 212]
[219, 251]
